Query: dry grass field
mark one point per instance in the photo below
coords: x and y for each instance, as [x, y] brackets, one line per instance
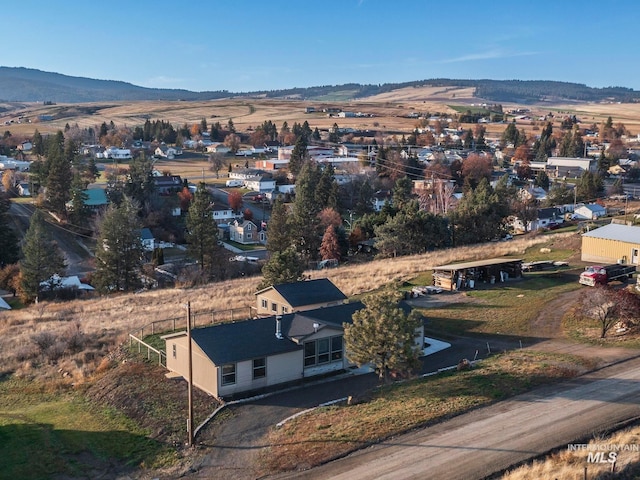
[570, 465]
[390, 112]
[76, 336]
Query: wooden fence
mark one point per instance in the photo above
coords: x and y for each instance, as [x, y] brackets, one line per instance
[147, 350]
[198, 319]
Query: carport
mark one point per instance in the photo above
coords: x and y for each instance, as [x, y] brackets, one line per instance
[461, 276]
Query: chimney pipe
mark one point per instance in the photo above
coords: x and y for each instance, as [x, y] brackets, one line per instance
[278, 327]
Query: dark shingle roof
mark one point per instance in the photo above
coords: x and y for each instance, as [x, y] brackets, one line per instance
[235, 342]
[302, 324]
[310, 292]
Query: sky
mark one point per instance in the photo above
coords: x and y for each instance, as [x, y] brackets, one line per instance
[247, 45]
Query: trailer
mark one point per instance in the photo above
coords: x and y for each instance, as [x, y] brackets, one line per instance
[603, 274]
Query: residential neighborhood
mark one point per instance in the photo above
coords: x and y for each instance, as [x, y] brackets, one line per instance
[259, 285]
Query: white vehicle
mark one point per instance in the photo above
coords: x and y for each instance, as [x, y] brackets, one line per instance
[234, 183]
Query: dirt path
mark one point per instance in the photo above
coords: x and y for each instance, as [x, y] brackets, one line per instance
[548, 324]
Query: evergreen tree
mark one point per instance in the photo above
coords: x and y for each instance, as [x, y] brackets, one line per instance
[411, 231]
[202, 231]
[119, 249]
[37, 144]
[79, 214]
[480, 215]
[316, 134]
[283, 267]
[278, 234]
[41, 258]
[59, 179]
[9, 251]
[542, 180]
[384, 335]
[304, 220]
[299, 156]
[326, 193]
[140, 186]
[402, 192]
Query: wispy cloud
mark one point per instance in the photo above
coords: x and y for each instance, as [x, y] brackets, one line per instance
[486, 55]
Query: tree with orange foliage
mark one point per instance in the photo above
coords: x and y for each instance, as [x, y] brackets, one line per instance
[330, 247]
[329, 216]
[475, 168]
[235, 201]
[184, 197]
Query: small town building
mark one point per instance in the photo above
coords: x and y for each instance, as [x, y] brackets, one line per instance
[612, 243]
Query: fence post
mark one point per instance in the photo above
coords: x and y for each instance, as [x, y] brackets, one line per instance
[153, 325]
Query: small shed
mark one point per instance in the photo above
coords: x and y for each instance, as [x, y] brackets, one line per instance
[460, 276]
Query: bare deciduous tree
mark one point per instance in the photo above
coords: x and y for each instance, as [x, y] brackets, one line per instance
[600, 304]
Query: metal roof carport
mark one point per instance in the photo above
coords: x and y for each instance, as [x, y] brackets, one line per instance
[459, 276]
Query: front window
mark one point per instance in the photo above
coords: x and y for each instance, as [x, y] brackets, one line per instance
[264, 303]
[259, 368]
[229, 374]
[274, 307]
[323, 350]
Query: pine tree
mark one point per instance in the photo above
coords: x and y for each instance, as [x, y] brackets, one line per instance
[59, 179]
[299, 156]
[202, 231]
[119, 249]
[282, 267]
[304, 220]
[9, 251]
[384, 335]
[41, 258]
[278, 234]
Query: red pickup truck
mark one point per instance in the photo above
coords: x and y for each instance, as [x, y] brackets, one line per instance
[603, 274]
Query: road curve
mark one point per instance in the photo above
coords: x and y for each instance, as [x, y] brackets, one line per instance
[488, 440]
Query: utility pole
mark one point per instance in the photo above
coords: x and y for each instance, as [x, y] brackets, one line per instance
[190, 379]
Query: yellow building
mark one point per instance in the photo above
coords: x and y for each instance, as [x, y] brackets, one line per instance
[613, 243]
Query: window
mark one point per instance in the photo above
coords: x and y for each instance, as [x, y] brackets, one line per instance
[249, 227]
[249, 235]
[259, 368]
[323, 350]
[264, 303]
[285, 309]
[336, 348]
[274, 307]
[229, 374]
[175, 351]
[309, 354]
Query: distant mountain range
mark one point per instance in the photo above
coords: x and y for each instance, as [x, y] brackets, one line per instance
[29, 85]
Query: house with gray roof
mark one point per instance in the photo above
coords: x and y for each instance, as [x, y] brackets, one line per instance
[256, 355]
[298, 296]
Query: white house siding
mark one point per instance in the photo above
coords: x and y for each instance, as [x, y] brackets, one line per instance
[205, 375]
[281, 368]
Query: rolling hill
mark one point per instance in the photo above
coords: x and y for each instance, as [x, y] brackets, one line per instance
[31, 85]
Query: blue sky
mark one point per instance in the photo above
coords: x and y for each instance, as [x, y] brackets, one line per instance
[242, 45]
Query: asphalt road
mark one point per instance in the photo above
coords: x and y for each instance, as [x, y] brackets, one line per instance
[488, 440]
[77, 258]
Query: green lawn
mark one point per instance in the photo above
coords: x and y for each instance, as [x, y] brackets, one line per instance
[57, 434]
[502, 309]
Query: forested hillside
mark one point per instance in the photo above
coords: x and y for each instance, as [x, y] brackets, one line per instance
[30, 85]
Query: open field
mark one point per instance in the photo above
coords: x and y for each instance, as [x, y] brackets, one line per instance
[389, 109]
